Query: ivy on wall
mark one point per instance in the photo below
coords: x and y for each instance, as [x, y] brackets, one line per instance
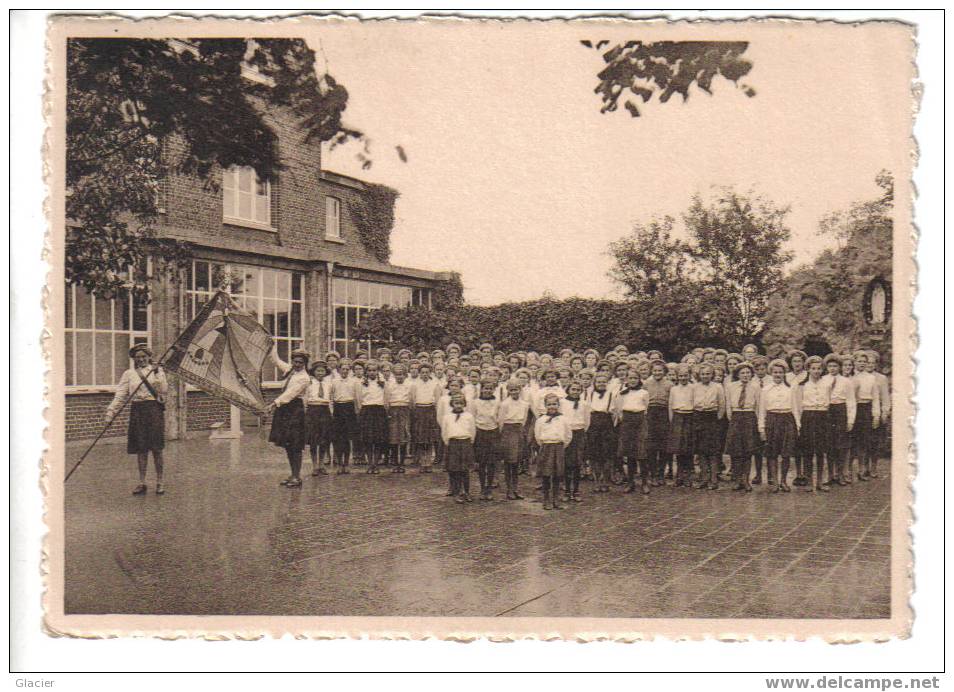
[373, 215]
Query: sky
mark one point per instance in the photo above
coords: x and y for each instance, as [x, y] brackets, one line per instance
[516, 180]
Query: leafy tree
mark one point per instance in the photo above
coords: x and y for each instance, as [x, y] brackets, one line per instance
[737, 242]
[649, 259]
[666, 68]
[128, 98]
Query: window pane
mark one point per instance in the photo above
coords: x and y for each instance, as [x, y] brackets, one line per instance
[296, 319]
[261, 208]
[228, 179]
[84, 361]
[268, 320]
[104, 314]
[253, 285]
[202, 276]
[298, 281]
[377, 295]
[84, 309]
[364, 293]
[69, 305]
[407, 296]
[237, 285]
[218, 276]
[340, 290]
[120, 356]
[228, 202]
[353, 292]
[104, 358]
[69, 358]
[340, 323]
[352, 320]
[121, 313]
[283, 319]
[140, 314]
[245, 179]
[284, 285]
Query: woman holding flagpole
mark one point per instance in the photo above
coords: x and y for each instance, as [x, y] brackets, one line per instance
[145, 387]
[288, 421]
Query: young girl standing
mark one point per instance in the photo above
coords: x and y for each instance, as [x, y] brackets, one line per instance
[577, 414]
[512, 417]
[841, 418]
[458, 431]
[424, 428]
[631, 404]
[868, 402]
[601, 441]
[812, 401]
[398, 400]
[373, 417]
[778, 425]
[485, 410]
[708, 411]
[681, 432]
[742, 436]
[553, 435]
[795, 377]
[318, 422]
[288, 423]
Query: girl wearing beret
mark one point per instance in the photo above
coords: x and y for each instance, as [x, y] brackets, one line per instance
[288, 421]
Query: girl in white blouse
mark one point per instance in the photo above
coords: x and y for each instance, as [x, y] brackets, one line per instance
[318, 416]
[812, 400]
[288, 422]
[841, 418]
[778, 424]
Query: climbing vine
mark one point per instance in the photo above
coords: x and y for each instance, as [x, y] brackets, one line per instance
[373, 214]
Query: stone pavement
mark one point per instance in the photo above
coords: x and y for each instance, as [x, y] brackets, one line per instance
[226, 539]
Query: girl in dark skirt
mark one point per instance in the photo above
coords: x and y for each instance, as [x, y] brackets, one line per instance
[458, 431]
[577, 414]
[813, 399]
[425, 431]
[601, 443]
[487, 439]
[742, 435]
[373, 417]
[708, 411]
[778, 425]
[553, 434]
[841, 416]
[631, 404]
[796, 377]
[318, 416]
[345, 394]
[146, 386]
[288, 421]
[513, 417]
[681, 431]
[398, 397]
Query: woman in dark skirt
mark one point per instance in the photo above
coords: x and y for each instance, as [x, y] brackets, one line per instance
[345, 396]
[681, 431]
[288, 409]
[841, 416]
[778, 425]
[373, 417]
[742, 435]
[813, 398]
[318, 416]
[146, 387]
[708, 411]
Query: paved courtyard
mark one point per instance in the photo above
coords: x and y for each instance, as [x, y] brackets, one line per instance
[226, 539]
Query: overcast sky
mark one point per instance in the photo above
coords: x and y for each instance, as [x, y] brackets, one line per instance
[516, 180]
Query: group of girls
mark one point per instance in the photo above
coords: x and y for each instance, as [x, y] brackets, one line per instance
[620, 419]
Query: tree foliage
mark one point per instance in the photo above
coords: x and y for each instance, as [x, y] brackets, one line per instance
[824, 300]
[732, 258]
[666, 68]
[127, 97]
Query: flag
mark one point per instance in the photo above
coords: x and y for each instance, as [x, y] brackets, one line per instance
[222, 352]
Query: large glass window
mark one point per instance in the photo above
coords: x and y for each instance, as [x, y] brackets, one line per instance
[246, 199]
[99, 334]
[354, 300]
[273, 296]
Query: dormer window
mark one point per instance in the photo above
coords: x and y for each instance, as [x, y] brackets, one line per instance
[246, 198]
[332, 218]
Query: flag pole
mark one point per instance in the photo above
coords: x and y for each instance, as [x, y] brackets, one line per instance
[116, 415]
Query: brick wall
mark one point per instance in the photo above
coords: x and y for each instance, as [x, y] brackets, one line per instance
[85, 416]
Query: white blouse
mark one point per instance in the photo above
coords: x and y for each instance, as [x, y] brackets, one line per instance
[460, 426]
[129, 387]
[512, 411]
[578, 415]
[553, 430]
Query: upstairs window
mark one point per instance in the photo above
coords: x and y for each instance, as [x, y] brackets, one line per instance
[333, 218]
[246, 198]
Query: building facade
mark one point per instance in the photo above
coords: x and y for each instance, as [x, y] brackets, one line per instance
[287, 250]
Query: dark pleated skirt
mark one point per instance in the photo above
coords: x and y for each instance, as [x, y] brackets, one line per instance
[374, 425]
[459, 456]
[601, 442]
[424, 428]
[839, 439]
[511, 442]
[399, 425]
[657, 429]
[146, 427]
[318, 425]
[742, 436]
[550, 460]
[344, 424]
[631, 441]
[288, 426]
[781, 435]
[681, 433]
[573, 454]
[862, 434]
[813, 437]
[486, 446]
[707, 433]
[529, 429]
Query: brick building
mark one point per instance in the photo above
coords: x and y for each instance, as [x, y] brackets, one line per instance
[289, 252]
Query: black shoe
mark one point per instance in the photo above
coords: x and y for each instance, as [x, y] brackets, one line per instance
[630, 489]
[757, 480]
[139, 489]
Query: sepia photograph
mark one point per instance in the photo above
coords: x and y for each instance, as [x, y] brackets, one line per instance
[579, 329]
